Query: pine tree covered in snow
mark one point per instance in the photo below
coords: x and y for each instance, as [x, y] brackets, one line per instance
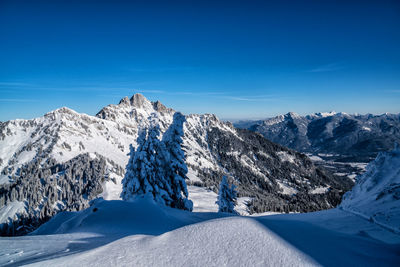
[141, 169]
[157, 169]
[227, 197]
[178, 169]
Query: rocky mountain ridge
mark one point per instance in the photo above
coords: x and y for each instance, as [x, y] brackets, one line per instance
[353, 138]
[65, 159]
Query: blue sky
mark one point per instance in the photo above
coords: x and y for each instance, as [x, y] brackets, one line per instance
[237, 59]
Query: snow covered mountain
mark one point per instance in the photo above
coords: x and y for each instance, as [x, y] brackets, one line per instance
[356, 138]
[376, 195]
[65, 159]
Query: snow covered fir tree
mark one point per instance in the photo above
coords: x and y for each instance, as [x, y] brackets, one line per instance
[157, 168]
[177, 169]
[227, 197]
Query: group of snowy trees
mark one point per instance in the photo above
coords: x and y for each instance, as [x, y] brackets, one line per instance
[50, 187]
[157, 170]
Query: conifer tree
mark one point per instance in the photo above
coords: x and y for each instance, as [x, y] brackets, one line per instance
[227, 197]
[157, 169]
[141, 169]
[177, 170]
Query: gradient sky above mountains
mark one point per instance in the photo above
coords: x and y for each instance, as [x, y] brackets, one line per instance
[237, 59]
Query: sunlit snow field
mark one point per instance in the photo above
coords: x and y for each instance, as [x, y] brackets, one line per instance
[363, 231]
[141, 233]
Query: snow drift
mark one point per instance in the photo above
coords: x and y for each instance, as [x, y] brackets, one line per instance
[143, 216]
[141, 233]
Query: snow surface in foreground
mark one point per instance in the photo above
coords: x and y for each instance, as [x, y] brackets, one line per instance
[117, 233]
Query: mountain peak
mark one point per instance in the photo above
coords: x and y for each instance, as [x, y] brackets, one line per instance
[136, 101]
[124, 101]
[139, 101]
[62, 110]
[292, 115]
[160, 107]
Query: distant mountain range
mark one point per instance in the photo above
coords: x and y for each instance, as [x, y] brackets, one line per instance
[347, 138]
[65, 159]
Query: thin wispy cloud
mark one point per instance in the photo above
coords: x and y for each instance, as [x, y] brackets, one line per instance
[197, 93]
[251, 99]
[121, 89]
[134, 91]
[222, 95]
[7, 90]
[161, 69]
[393, 91]
[14, 84]
[9, 87]
[328, 67]
[17, 100]
[89, 88]
[148, 91]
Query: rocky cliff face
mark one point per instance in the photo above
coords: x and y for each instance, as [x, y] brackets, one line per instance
[63, 160]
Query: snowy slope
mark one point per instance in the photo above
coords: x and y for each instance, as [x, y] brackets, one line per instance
[61, 136]
[210, 243]
[64, 159]
[117, 233]
[11, 210]
[376, 195]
